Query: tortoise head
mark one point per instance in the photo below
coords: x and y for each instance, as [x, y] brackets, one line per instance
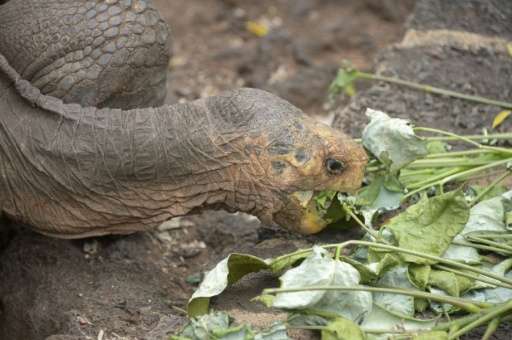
[292, 156]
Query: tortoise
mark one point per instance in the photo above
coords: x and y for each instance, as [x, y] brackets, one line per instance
[88, 148]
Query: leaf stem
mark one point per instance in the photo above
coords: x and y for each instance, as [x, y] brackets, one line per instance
[459, 175]
[491, 328]
[405, 251]
[497, 136]
[463, 138]
[469, 306]
[491, 186]
[436, 90]
[492, 314]
[473, 276]
[498, 245]
[483, 247]
[370, 231]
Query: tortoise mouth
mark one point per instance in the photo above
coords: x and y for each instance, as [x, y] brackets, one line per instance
[302, 214]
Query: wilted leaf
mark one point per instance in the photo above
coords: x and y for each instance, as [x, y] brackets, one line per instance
[392, 140]
[396, 303]
[298, 320]
[227, 272]
[451, 283]
[486, 216]
[430, 225]
[319, 269]
[342, 329]
[201, 328]
[218, 326]
[493, 295]
[500, 118]
[376, 198]
[419, 275]
[380, 319]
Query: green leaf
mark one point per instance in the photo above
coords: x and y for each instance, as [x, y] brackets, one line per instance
[342, 329]
[430, 225]
[280, 264]
[319, 269]
[419, 275]
[227, 272]
[344, 82]
[451, 283]
[392, 140]
[435, 335]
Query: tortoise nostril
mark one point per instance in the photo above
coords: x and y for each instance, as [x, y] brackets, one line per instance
[334, 166]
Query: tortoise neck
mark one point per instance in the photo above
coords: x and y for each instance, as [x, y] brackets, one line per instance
[89, 172]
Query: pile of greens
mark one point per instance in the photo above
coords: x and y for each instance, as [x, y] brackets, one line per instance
[437, 269]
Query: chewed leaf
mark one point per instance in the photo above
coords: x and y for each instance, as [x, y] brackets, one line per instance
[319, 269]
[227, 272]
[342, 329]
[430, 225]
[500, 118]
[392, 140]
[376, 198]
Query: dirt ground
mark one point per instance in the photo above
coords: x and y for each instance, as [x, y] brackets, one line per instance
[136, 287]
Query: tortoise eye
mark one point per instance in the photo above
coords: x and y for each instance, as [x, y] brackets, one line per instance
[334, 166]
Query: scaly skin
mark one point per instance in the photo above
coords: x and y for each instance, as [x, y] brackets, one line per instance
[75, 171]
[112, 53]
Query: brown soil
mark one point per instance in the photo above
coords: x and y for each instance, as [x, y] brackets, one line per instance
[135, 287]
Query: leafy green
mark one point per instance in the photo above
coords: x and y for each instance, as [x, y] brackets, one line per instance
[344, 82]
[486, 216]
[419, 275]
[219, 326]
[392, 140]
[398, 304]
[376, 198]
[430, 225]
[380, 319]
[342, 329]
[451, 283]
[319, 269]
[227, 272]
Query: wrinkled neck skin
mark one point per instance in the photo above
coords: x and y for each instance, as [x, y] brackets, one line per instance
[73, 171]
